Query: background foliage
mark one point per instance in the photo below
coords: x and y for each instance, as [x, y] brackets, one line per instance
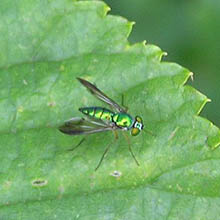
[189, 31]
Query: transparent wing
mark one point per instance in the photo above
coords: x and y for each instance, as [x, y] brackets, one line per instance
[78, 126]
[100, 95]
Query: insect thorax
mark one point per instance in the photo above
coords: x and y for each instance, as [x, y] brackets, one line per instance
[98, 112]
[123, 120]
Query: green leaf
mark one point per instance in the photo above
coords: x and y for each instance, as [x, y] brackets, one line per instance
[44, 46]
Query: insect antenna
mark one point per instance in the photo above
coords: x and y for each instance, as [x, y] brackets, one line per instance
[130, 149]
[149, 132]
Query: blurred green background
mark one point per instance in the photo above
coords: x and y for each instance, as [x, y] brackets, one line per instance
[189, 30]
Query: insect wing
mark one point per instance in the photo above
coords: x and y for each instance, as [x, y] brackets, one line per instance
[100, 95]
[78, 126]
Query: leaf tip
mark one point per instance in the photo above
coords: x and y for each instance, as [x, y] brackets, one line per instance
[106, 9]
[132, 23]
[164, 53]
[191, 75]
[130, 26]
[214, 141]
[203, 103]
[144, 42]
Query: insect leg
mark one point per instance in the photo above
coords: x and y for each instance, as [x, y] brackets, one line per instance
[115, 134]
[129, 147]
[72, 149]
[122, 103]
[103, 155]
[106, 150]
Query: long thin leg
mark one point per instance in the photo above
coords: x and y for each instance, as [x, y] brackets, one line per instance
[129, 147]
[72, 149]
[115, 133]
[106, 150]
[103, 155]
[122, 103]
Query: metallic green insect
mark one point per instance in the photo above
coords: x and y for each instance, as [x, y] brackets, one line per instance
[99, 119]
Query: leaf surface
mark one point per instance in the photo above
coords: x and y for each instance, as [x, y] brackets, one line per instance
[45, 45]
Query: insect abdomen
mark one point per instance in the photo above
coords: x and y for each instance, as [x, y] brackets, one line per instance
[98, 112]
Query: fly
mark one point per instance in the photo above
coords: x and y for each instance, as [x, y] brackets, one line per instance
[99, 119]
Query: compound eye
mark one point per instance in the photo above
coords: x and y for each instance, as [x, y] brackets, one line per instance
[138, 119]
[135, 131]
